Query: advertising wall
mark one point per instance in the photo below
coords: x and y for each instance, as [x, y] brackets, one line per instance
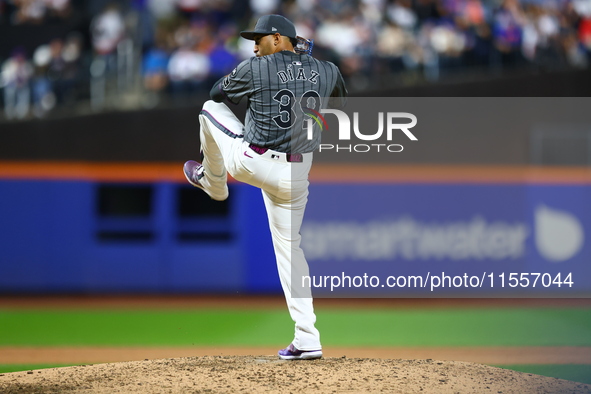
[431, 240]
[88, 230]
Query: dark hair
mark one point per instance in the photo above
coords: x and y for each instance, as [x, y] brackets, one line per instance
[294, 41]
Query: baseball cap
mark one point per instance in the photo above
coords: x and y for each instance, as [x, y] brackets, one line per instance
[271, 24]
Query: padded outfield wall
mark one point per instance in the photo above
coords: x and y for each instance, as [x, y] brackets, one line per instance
[100, 229]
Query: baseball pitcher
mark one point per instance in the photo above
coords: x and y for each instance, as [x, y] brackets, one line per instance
[272, 149]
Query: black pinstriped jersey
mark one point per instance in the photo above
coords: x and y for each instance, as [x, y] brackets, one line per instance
[283, 90]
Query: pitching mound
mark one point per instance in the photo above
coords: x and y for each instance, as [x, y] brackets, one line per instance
[268, 374]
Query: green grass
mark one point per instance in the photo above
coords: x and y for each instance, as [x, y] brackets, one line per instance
[424, 327]
[142, 328]
[459, 327]
[575, 372]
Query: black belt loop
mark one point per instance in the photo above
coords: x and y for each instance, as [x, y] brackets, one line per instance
[291, 157]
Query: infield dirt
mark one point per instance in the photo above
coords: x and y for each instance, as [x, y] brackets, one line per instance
[249, 374]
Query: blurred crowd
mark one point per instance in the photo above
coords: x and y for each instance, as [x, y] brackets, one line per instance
[180, 47]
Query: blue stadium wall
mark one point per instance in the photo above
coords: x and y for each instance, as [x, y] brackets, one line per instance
[73, 236]
[80, 229]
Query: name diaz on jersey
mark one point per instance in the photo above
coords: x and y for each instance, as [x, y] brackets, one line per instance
[300, 75]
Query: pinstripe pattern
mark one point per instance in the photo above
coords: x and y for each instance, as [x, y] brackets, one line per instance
[261, 78]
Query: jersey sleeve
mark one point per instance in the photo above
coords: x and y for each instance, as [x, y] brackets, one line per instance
[238, 83]
[338, 97]
[216, 93]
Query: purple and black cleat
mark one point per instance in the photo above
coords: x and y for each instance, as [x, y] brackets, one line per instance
[291, 353]
[193, 172]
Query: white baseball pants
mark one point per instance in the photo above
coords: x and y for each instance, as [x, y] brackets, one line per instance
[284, 186]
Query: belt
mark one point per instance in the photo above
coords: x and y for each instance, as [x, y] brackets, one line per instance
[291, 157]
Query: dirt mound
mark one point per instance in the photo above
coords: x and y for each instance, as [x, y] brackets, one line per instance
[269, 374]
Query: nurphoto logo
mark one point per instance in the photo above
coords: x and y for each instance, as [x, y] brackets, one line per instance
[392, 125]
